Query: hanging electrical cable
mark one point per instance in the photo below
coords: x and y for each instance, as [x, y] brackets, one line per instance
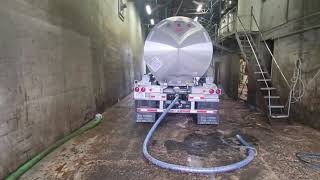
[312, 160]
[298, 87]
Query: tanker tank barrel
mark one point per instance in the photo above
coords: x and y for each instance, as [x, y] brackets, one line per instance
[177, 50]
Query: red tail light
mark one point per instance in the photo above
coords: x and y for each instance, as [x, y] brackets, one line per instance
[211, 91]
[136, 89]
[143, 89]
[218, 91]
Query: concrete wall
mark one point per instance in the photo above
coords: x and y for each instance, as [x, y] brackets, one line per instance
[281, 17]
[287, 50]
[61, 61]
[273, 13]
[244, 12]
[227, 65]
[294, 27]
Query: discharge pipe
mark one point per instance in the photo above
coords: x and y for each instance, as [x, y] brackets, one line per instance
[186, 169]
[29, 164]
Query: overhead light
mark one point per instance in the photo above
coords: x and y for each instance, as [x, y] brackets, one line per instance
[196, 18]
[199, 7]
[152, 21]
[230, 2]
[148, 9]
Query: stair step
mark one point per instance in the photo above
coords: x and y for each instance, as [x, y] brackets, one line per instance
[272, 97]
[261, 72]
[279, 116]
[261, 80]
[268, 88]
[277, 106]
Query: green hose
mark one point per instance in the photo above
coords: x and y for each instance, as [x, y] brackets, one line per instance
[28, 165]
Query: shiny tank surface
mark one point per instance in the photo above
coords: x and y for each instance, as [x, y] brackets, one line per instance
[177, 50]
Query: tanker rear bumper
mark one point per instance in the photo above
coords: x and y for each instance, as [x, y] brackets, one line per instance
[186, 111]
[205, 115]
[202, 102]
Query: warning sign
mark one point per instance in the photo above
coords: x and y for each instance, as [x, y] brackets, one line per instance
[155, 64]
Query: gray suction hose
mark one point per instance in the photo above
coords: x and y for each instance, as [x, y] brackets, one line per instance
[211, 170]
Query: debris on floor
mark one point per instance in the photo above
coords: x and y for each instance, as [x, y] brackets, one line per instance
[113, 150]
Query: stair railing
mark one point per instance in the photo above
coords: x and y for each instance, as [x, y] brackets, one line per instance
[251, 43]
[253, 21]
[276, 63]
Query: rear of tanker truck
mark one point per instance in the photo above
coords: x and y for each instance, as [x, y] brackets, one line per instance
[178, 53]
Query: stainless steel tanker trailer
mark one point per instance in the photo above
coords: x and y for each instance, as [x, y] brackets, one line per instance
[178, 52]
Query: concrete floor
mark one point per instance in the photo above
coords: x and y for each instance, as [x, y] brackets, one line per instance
[113, 150]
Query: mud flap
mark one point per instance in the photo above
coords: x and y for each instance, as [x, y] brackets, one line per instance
[147, 116]
[208, 118]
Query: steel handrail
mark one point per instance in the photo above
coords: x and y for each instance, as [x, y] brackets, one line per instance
[229, 22]
[257, 60]
[273, 59]
[250, 39]
[277, 65]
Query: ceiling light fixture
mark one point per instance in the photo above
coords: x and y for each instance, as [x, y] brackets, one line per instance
[148, 9]
[199, 7]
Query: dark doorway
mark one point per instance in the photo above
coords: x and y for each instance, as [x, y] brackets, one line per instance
[217, 79]
[268, 61]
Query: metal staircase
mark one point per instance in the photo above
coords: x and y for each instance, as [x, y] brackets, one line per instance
[246, 42]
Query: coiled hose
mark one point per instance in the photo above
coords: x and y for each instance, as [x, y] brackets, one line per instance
[211, 170]
[310, 159]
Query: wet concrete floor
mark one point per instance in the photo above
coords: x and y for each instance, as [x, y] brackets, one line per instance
[113, 150]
